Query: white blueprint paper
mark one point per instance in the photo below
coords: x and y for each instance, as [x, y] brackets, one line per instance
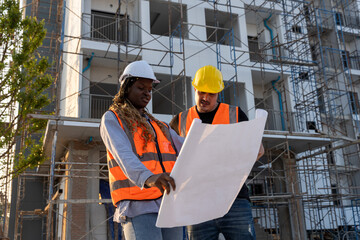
[212, 166]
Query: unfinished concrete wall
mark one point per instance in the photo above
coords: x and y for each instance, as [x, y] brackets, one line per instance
[81, 183]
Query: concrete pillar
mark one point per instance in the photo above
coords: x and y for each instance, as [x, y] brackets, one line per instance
[296, 211]
[79, 226]
[290, 216]
[75, 221]
[97, 213]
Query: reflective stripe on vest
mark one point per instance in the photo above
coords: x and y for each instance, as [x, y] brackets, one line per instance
[121, 188]
[224, 115]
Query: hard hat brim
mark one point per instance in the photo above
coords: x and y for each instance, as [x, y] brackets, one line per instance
[124, 77]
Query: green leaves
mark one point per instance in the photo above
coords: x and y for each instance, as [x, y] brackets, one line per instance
[35, 156]
[23, 83]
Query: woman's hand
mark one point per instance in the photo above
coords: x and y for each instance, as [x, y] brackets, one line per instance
[161, 181]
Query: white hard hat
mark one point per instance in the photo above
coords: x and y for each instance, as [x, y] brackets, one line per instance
[140, 69]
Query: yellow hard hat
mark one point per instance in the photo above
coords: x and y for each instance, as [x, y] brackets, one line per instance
[208, 79]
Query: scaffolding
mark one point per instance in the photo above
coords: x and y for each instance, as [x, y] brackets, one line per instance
[8, 110]
[303, 57]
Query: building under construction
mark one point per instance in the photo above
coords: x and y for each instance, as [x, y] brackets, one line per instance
[297, 59]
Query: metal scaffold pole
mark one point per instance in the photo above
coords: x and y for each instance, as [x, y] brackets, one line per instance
[51, 185]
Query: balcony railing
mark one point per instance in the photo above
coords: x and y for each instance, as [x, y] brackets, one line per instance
[284, 122]
[264, 52]
[352, 21]
[354, 59]
[99, 104]
[325, 20]
[255, 52]
[107, 27]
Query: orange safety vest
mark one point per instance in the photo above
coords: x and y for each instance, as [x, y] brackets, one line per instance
[224, 115]
[158, 157]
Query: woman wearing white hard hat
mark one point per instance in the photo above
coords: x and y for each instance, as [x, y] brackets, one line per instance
[141, 152]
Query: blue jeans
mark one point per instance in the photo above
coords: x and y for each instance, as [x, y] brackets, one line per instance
[143, 227]
[238, 223]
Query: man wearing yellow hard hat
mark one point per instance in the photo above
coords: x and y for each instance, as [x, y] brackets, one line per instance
[238, 222]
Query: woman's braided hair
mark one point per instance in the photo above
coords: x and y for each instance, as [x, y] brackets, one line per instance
[126, 111]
